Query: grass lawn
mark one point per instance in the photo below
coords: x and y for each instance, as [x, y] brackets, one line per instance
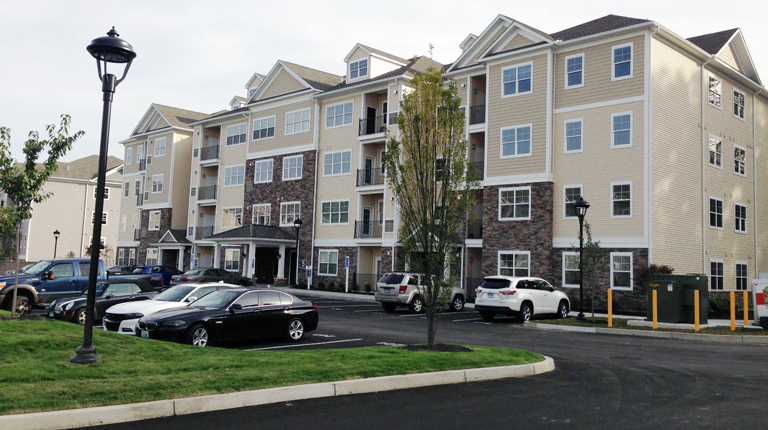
[36, 375]
[622, 323]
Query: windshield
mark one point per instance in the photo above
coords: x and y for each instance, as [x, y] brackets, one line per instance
[193, 272]
[38, 268]
[174, 294]
[217, 299]
[100, 287]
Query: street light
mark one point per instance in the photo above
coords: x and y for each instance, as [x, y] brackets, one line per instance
[581, 207]
[105, 49]
[56, 234]
[297, 224]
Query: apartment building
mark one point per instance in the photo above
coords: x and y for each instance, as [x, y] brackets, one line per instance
[661, 134]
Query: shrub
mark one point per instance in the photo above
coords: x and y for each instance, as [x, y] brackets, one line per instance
[355, 287]
[367, 287]
[644, 274]
[321, 285]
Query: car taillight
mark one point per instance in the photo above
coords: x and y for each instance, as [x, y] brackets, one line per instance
[314, 306]
[403, 288]
[184, 278]
[478, 290]
[508, 292]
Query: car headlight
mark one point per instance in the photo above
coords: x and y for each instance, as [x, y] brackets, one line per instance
[174, 323]
[67, 306]
[132, 316]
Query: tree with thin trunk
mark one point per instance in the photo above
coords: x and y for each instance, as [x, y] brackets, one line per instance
[594, 258]
[427, 171]
[23, 183]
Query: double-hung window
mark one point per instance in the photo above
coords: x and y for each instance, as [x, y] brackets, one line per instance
[262, 214]
[337, 163]
[234, 175]
[740, 217]
[741, 276]
[152, 256]
[328, 262]
[715, 151]
[715, 213]
[232, 259]
[262, 171]
[516, 80]
[716, 274]
[264, 128]
[621, 200]
[128, 155]
[715, 93]
[573, 135]
[622, 61]
[738, 104]
[232, 217]
[621, 130]
[154, 220]
[516, 141]
[292, 167]
[126, 189]
[297, 121]
[740, 161]
[160, 146]
[514, 263]
[338, 115]
[236, 134]
[574, 71]
[570, 269]
[571, 193]
[336, 212]
[289, 212]
[621, 270]
[515, 204]
[358, 69]
[157, 183]
[132, 256]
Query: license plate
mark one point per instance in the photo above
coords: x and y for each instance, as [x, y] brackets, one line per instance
[386, 290]
[490, 295]
[145, 334]
[50, 314]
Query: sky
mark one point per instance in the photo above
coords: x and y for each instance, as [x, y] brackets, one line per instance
[197, 55]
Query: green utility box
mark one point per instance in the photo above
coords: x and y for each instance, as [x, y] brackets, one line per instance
[678, 292]
[669, 300]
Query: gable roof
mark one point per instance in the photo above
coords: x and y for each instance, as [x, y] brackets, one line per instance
[85, 168]
[712, 43]
[173, 117]
[254, 231]
[599, 25]
[311, 79]
[256, 76]
[377, 52]
[414, 66]
[175, 236]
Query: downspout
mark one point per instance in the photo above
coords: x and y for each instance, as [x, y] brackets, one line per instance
[316, 137]
[648, 131]
[704, 154]
[754, 177]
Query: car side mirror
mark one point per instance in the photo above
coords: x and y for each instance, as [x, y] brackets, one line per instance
[235, 307]
[48, 276]
[110, 295]
[191, 299]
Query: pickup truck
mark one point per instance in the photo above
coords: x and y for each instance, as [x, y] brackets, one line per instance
[46, 281]
[158, 276]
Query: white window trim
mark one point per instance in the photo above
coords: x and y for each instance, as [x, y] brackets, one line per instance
[565, 135]
[631, 199]
[631, 271]
[736, 90]
[234, 166]
[721, 261]
[227, 208]
[325, 118]
[128, 155]
[719, 139]
[631, 62]
[301, 167]
[581, 187]
[320, 251]
[359, 76]
[530, 203]
[562, 280]
[334, 201]
[501, 143]
[235, 259]
[104, 217]
[294, 112]
[342, 173]
[165, 146]
[507, 252]
[736, 275]
[565, 68]
[631, 130]
[280, 221]
[233, 126]
[709, 212]
[159, 220]
[710, 74]
[126, 187]
[743, 175]
[253, 125]
[162, 183]
[746, 221]
[269, 211]
[272, 164]
[517, 87]
[156, 251]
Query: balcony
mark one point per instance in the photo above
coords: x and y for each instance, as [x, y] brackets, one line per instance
[477, 114]
[475, 229]
[372, 176]
[209, 152]
[367, 229]
[203, 232]
[142, 164]
[478, 168]
[207, 193]
[139, 200]
[373, 125]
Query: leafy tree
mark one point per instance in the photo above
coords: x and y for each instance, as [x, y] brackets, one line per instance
[70, 254]
[594, 257]
[7, 232]
[427, 170]
[24, 182]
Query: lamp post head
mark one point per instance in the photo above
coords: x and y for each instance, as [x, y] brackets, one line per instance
[56, 234]
[297, 223]
[581, 206]
[111, 48]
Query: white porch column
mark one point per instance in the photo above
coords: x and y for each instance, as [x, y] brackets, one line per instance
[180, 262]
[281, 263]
[216, 254]
[251, 259]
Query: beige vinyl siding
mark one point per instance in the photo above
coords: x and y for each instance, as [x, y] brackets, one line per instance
[518, 41]
[182, 150]
[367, 261]
[283, 83]
[598, 71]
[134, 166]
[606, 166]
[462, 92]
[728, 56]
[487, 45]
[159, 124]
[194, 178]
[280, 141]
[761, 126]
[160, 165]
[518, 110]
[358, 54]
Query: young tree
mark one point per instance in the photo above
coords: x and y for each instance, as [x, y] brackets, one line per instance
[24, 183]
[594, 256]
[427, 171]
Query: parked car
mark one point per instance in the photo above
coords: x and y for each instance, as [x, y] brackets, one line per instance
[230, 315]
[21, 270]
[165, 271]
[521, 297]
[405, 289]
[123, 318]
[210, 275]
[108, 294]
[121, 270]
[46, 281]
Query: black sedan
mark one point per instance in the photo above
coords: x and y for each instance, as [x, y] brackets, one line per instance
[230, 315]
[108, 294]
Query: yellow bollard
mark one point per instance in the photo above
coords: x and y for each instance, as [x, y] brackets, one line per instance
[655, 310]
[733, 311]
[696, 310]
[610, 308]
[746, 308]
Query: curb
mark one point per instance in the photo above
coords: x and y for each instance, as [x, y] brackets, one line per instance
[340, 296]
[105, 415]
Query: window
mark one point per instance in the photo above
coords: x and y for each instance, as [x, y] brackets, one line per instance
[121, 256]
[571, 193]
[157, 184]
[232, 259]
[516, 80]
[335, 212]
[574, 71]
[106, 193]
[328, 262]
[132, 256]
[236, 133]
[297, 121]
[264, 128]
[741, 276]
[622, 61]
[573, 135]
[516, 141]
[261, 214]
[234, 175]
[160, 147]
[289, 212]
[338, 115]
[103, 218]
[134, 222]
[123, 223]
[570, 269]
[515, 204]
[740, 218]
[621, 198]
[65, 270]
[154, 220]
[337, 163]
[139, 153]
[740, 158]
[514, 263]
[292, 167]
[358, 69]
[715, 151]
[126, 189]
[738, 104]
[715, 92]
[152, 254]
[137, 188]
[621, 270]
[232, 217]
[715, 213]
[715, 274]
[262, 171]
[621, 136]
[128, 156]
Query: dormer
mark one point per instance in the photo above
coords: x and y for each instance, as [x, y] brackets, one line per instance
[253, 84]
[467, 42]
[364, 62]
[236, 103]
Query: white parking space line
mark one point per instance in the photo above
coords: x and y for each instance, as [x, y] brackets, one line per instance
[468, 319]
[303, 344]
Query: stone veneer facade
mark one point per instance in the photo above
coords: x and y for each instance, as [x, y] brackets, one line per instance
[340, 278]
[151, 236]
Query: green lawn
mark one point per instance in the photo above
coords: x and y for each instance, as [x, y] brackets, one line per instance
[36, 375]
[622, 323]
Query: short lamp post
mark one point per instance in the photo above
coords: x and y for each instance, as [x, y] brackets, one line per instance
[581, 207]
[297, 225]
[56, 234]
[106, 49]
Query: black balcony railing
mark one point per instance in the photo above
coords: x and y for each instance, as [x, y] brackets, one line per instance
[372, 176]
[142, 164]
[207, 193]
[376, 124]
[478, 169]
[475, 229]
[139, 234]
[209, 152]
[477, 114]
[203, 232]
[139, 200]
[367, 229]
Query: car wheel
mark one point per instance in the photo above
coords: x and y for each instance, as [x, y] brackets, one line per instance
[487, 316]
[526, 311]
[79, 316]
[198, 335]
[417, 305]
[23, 304]
[562, 310]
[295, 330]
[388, 307]
[457, 303]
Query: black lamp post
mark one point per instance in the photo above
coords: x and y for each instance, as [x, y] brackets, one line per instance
[105, 49]
[56, 234]
[297, 224]
[581, 207]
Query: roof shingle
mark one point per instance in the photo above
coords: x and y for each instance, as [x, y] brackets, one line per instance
[713, 42]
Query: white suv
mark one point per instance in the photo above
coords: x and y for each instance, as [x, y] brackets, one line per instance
[405, 289]
[519, 297]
